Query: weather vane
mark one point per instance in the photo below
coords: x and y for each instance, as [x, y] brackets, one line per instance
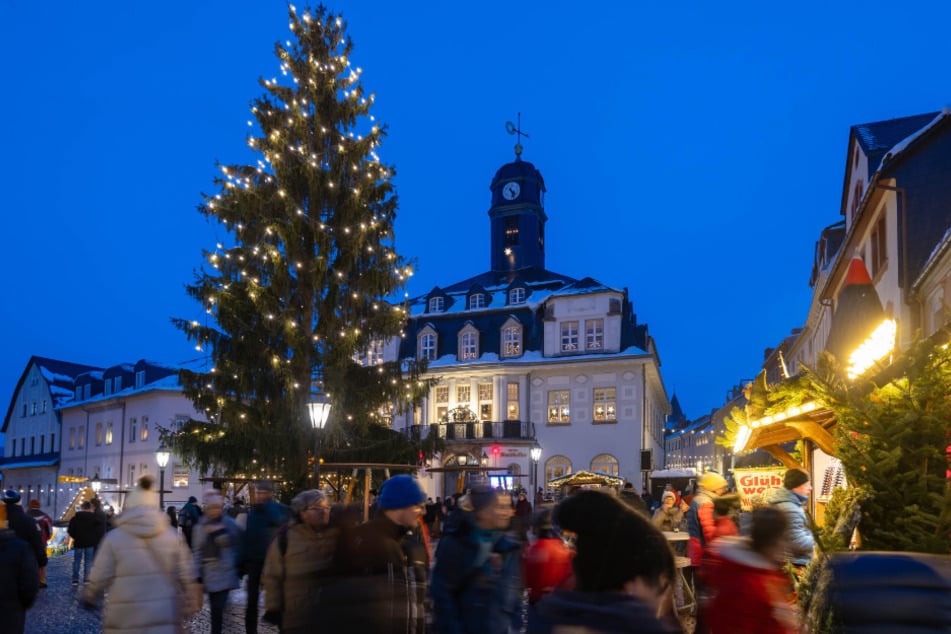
[512, 128]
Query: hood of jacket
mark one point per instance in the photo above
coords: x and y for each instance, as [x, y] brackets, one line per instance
[599, 612]
[784, 495]
[142, 521]
[738, 550]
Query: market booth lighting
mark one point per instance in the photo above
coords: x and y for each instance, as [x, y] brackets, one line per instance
[878, 345]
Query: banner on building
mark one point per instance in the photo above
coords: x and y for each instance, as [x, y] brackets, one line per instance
[756, 484]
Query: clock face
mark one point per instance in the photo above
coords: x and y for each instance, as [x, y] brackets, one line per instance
[511, 191]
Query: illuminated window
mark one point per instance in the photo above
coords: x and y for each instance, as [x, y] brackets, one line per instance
[485, 401]
[511, 231]
[463, 394]
[594, 334]
[511, 398]
[468, 344]
[179, 476]
[605, 404]
[605, 463]
[144, 431]
[512, 339]
[441, 398]
[556, 467]
[569, 336]
[558, 410]
[109, 433]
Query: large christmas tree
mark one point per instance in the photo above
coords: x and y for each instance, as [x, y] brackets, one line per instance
[300, 292]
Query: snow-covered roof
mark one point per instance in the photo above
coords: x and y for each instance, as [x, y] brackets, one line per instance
[899, 147]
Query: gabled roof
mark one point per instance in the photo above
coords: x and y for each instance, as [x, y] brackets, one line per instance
[883, 135]
[59, 375]
[583, 287]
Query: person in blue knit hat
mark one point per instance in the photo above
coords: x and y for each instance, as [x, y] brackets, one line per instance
[379, 585]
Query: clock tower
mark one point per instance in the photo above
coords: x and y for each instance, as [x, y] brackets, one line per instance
[517, 217]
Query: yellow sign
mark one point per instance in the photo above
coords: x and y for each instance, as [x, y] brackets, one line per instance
[79, 479]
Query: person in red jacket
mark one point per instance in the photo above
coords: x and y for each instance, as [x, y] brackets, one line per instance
[749, 592]
[546, 564]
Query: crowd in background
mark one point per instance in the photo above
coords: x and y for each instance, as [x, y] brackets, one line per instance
[486, 561]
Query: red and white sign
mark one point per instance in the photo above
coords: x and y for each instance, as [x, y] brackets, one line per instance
[750, 482]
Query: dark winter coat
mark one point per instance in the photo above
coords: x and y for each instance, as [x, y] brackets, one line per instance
[45, 522]
[19, 581]
[263, 521]
[595, 613]
[475, 590]
[799, 540]
[85, 529]
[28, 530]
[374, 589]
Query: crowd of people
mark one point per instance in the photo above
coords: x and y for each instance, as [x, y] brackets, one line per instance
[486, 561]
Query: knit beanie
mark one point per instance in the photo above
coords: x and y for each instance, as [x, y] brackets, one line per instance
[482, 496]
[142, 494]
[795, 478]
[400, 492]
[711, 481]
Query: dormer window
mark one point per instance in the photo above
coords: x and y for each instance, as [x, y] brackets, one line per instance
[512, 339]
[468, 343]
[426, 344]
[477, 300]
[437, 304]
[517, 296]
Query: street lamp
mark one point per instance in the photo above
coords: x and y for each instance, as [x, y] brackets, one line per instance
[536, 453]
[96, 484]
[461, 459]
[319, 412]
[161, 457]
[485, 460]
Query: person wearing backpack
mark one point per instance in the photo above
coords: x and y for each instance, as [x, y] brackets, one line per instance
[297, 564]
[45, 523]
[188, 518]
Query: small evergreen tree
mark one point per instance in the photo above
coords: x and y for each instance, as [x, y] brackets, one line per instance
[300, 292]
[893, 441]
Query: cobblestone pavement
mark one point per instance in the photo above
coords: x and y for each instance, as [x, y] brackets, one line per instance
[56, 610]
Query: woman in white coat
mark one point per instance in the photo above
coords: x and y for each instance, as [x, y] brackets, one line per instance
[143, 566]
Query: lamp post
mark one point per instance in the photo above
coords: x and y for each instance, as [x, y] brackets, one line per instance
[161, 457]
[319, 412]
[536, 453]
[485, 459]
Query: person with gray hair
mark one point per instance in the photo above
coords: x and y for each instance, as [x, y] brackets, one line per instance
[298, 563]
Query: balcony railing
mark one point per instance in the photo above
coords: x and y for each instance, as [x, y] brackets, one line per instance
[475, 430]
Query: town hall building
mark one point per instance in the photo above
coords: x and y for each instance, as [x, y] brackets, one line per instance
[521, 357]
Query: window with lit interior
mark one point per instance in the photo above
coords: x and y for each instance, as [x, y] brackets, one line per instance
[605, 404]
[569, 336]
[605, 463]
[556, 467]
[594, 334]
[512, 339]
[558, 409]
[468, 344]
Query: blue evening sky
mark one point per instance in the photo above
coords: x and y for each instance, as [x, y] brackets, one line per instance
[693, 151]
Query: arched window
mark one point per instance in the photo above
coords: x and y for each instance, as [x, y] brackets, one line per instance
[556, 466]
[512, 338]
[468, 343]
[437, 304]
[477, 300]
[426, 344]
[605, 463]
